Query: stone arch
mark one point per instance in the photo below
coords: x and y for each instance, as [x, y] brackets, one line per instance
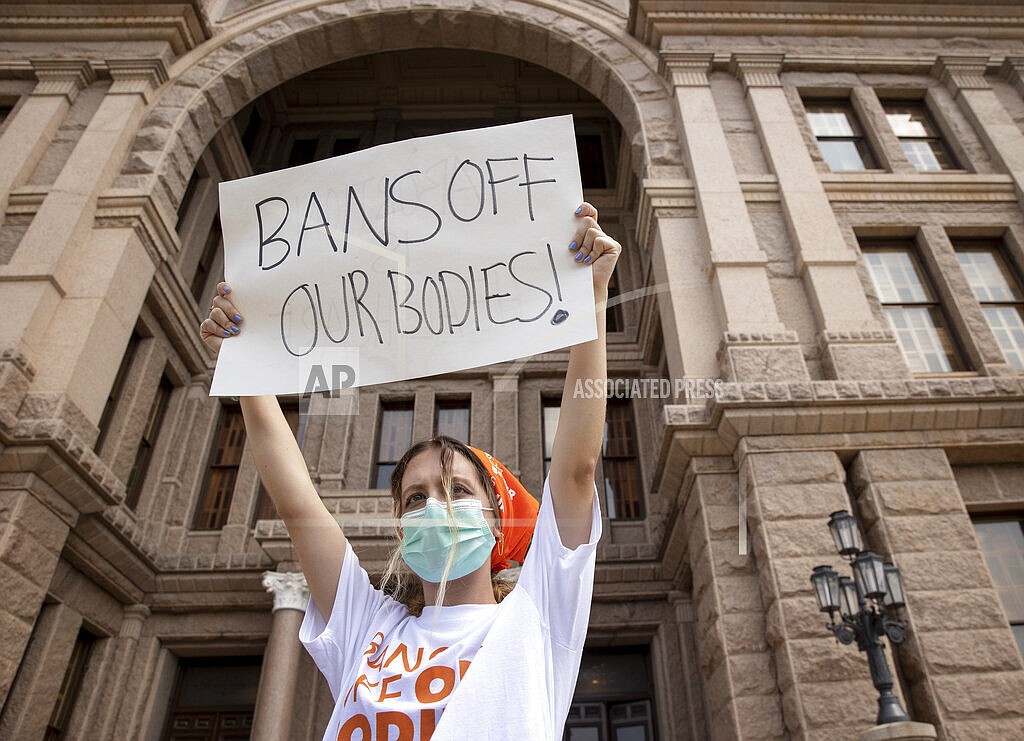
[217, 80]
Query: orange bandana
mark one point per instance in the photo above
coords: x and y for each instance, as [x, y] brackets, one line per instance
[518, 513]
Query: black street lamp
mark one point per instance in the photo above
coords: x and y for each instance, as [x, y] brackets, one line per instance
[866, 605]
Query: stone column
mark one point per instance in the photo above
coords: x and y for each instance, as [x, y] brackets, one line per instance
[735, 662]
[32, 537]
[27, 710]
[691, 327]
[279, 675]
[965, 78]
[852, 343]
[960, 658]
[826, 687]
[692, 689]
[72, 292]
[757, 346]
[107, 693]
[29, 133]
[505, 445]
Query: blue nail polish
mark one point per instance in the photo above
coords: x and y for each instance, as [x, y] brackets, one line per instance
[579, 255]
[225, 289]
[587, 258]
[226, 333]
[572, 247]
[579, 210]
[234, 329]
[236, 318]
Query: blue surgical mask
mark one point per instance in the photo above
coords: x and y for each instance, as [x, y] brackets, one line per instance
[427, 539]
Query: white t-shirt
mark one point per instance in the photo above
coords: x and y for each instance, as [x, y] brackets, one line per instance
[498, 672]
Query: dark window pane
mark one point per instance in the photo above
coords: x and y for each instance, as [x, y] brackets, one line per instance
[591, 155]
[620, 470]
[148, 441]
[452, 419]
[344, 146]
[117, 389]
[69, 688]
[303, 152]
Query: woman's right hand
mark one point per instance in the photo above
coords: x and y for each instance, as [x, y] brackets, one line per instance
[223, 321]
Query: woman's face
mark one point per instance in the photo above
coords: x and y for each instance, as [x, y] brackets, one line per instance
[422, 481]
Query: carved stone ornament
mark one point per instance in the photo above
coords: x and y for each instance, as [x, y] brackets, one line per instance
[290, 590]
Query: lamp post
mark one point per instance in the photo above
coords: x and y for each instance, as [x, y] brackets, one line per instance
[866, 606]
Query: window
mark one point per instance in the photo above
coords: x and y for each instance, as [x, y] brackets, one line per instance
[57, 728]
[187, 198]
[613, 315]
[147, 442]
[619, 470]
[612, 701]
[1002, 542]
[117, 389]
[225, 457]
[590, 148]
[618, 473]
[295, 413]
[549, 423]
[999, 293]
[918, 135]
[839, 134]
[206, 260]
[912, 310]
[303, 152]
[213, 699]
[345, 146]
[451, 418]
[394, 437]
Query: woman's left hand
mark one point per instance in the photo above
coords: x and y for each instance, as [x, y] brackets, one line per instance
[591, 246]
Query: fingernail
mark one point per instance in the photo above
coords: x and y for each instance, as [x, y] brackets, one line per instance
[226, 333]
[225, 289]
[579, 210]
[234, 328]
[579, 255]
[236, 318]
[587, 258]
[572, 247]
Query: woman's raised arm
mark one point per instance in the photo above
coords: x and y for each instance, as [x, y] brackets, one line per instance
[317, 537]
[577, 445]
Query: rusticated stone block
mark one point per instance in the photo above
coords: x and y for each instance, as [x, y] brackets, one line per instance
[804, 467]
[971, 651]
[918, 498]
[956, 570]
[873, 466]
[796, 538]
[744, 632]
[752, 674]
[969, 609]
[823, 660]
[990, 695]
[760, 717]
[937, 533]
[807, 501]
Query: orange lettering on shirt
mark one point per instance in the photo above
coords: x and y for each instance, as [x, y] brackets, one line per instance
[390, 719]
[403, 651]
[463, 667]
[425, 693]
[363, 680]
[384, 694]
[428, 719]
[353, 724]
[439, 650]
[374, 644]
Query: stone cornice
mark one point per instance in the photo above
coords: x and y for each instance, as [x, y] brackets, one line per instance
[62, 77]
[686, 68]
[139, 212]
[653, 20]
[952, 408]
[962, 72]
[757, 69]
[136, 76]
[919, 187]
[177, 24]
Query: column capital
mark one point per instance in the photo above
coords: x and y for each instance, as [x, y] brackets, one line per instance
[686, 68]
[136, 76]
[757, 69]
[61, 77]
[961, 72]
[290, 590]
[1013, 72]
[131, 621]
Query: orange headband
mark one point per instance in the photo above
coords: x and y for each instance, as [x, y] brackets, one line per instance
[518, 513]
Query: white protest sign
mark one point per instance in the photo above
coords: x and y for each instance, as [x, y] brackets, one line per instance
[406, 260]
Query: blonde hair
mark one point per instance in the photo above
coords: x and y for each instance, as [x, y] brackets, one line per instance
[398, 580]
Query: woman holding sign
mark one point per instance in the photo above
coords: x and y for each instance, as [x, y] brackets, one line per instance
[478, 658]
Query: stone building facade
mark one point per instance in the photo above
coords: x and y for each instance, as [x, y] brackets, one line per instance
[821, 205]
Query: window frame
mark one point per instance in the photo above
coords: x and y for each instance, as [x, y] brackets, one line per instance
[935, 307]
[997, 248]
[148, 441]
[454, 403]
[230, 423]
[1016, 626]
[929, 122]
[858, 136]
[386, 405]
